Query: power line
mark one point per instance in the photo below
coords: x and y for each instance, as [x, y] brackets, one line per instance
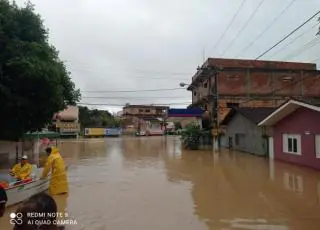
[315, 60]
[147, 97]
[292, 32]
[267, 28]
[132, 91]
[293, 40]
[131, 75]
[244, 26]
[303, 48]
[229, 25]
[140, 71]
[156, 104]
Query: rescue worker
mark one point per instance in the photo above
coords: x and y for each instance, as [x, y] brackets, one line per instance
[58, 181]
[22, 170]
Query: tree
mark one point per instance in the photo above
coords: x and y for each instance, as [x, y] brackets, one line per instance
[177, 125]
[34, 82]
[97, 118]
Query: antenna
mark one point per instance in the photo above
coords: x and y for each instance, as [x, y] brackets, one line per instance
[204, 54]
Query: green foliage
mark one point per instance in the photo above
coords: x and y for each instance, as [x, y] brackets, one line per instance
[34, 82]
[97, 118]
[191, 136]
[177, 125]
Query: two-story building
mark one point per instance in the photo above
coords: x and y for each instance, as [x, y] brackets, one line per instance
[144, 110]
[66, 122]
[253, 83]
[144, 117]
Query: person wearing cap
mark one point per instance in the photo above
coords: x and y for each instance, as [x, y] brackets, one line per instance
[22, 170]
[3, 201]
[58, 181]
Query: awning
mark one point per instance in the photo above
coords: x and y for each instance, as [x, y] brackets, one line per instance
[43, 134]
[194, 112]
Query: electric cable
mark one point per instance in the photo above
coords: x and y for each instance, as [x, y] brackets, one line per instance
[288, 35]
[229, 25]
[130, 91]
[267, 28]
[243, 27]
[293, 40]
[302, 48]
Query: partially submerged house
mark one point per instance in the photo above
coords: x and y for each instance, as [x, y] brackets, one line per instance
[185, 116]
[295, 136]
[242, 131]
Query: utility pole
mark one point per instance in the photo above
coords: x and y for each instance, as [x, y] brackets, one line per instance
[139, 125]
[215, 111]
[213, 95]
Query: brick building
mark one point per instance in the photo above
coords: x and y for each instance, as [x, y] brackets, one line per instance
[144, 110]
[253, 83]
[140, 117]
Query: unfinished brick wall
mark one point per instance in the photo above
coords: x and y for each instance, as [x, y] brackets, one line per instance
[264, 84]
[273, 83]
[254, 83]
[221, 62]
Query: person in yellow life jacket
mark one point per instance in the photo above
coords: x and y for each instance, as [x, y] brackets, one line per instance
[22, 170]
[58, 181]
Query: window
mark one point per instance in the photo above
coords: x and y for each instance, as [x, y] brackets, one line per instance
[140, 110]
[286, 78]
[205, 85]
[232, 105]
[239, 139]
[194, 93]
[291, 144]
[232, 77]
[317, 145]
[148, 110]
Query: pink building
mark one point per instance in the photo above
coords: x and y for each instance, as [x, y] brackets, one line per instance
[296, 133]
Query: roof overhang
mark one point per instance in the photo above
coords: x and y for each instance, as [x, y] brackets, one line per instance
[285, 110]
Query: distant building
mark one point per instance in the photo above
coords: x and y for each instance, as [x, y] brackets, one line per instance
[242, 131]
[295, 133]
[66, 122]
[119, 114]
[144, 110]
[254, 83]
[185, 116]
[143, 117]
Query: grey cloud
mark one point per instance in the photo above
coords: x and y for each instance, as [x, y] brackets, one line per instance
[130, 44]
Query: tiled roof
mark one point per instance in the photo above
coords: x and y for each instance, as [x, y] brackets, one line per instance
[253, 114]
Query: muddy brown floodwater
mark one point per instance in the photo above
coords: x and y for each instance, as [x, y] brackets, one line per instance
[150, 183]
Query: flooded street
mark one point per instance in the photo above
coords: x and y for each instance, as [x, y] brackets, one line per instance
[149, 183]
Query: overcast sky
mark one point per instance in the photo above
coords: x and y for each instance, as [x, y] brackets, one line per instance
[154, 44]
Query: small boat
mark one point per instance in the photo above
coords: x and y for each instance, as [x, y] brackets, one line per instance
[18, 191]
[21, 190]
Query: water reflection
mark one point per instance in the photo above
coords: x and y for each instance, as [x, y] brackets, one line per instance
[150, 183]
